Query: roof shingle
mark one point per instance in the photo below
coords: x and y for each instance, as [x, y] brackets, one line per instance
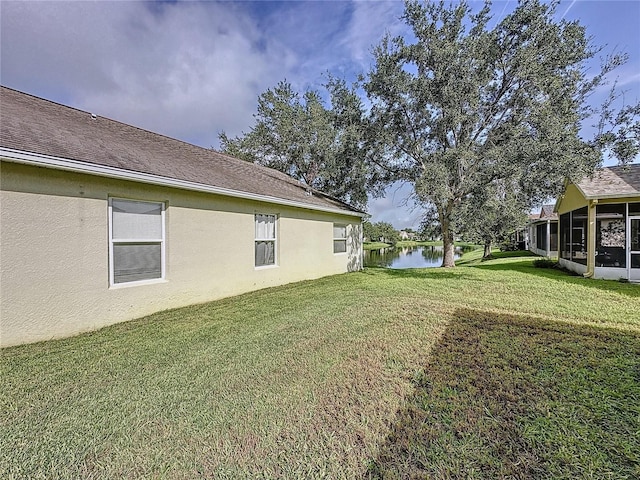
[620, 181]
[547, 212]
[35, 125]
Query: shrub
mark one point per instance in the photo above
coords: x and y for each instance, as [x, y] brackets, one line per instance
[545, 263]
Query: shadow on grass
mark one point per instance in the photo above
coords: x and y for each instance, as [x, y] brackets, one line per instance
[505, 396]
[515, 253]
[474, 257]
[526, 266]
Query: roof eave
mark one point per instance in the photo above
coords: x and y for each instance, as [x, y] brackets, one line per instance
[542, 221]
[58, 163]
[612, 195]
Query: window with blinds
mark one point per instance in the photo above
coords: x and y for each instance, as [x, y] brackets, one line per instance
[339, 238]
[136, 241]
[265, 240]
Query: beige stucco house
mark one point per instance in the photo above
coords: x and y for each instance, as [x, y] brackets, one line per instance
[102, 222]
[599, 224]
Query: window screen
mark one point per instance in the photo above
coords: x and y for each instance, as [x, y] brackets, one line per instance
[265, 240]
[339, 238]
[611, 240]
[137, 241]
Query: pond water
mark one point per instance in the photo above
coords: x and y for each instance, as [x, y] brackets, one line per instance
[407, 257]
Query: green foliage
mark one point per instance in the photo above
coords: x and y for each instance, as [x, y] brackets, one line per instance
[380, 232]
[619, 132]
[387, 232]
[322, 147]
[492, 213]
[545, 263]
[467, 105]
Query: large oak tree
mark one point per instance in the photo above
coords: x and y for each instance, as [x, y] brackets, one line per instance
[318, 145]
[467, 105]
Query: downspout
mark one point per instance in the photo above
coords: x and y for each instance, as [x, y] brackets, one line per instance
[591, 239]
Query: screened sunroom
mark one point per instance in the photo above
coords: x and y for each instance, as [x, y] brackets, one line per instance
[543, 233]
[600, 225]
[615, 251]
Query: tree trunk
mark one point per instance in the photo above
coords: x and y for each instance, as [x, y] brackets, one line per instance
[487, 249]
[447, 240]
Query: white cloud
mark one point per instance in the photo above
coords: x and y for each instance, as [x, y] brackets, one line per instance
[188, 70]
[370, 21]
[396, 207]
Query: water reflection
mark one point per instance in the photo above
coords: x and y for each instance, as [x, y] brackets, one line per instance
[407, 257]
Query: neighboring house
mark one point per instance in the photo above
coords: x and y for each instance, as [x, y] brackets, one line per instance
[600, 224]
[103, 222]
[543, 232]
[404, 235]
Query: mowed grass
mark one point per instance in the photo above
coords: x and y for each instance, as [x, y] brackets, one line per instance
[375, 245]
[491, 370]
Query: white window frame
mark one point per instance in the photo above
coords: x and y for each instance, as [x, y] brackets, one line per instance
[345, 238]
[113, 242]
[260, 239]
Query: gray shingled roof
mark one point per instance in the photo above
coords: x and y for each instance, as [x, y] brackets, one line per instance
[622, 181]
[34, 125]
[547, 212]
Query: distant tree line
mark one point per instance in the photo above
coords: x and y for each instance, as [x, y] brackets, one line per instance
[380, 232]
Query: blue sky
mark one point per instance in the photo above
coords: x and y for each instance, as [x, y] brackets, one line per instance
[190, 70]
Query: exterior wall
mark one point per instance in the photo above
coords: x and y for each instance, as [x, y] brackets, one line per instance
[54, 250]
[603, 273]
[573, 266]
[543, 253]
[571, 200]
[607, 273]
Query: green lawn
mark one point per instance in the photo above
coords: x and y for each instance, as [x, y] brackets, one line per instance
[495, 369]
[375, 245]
[416, 243]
